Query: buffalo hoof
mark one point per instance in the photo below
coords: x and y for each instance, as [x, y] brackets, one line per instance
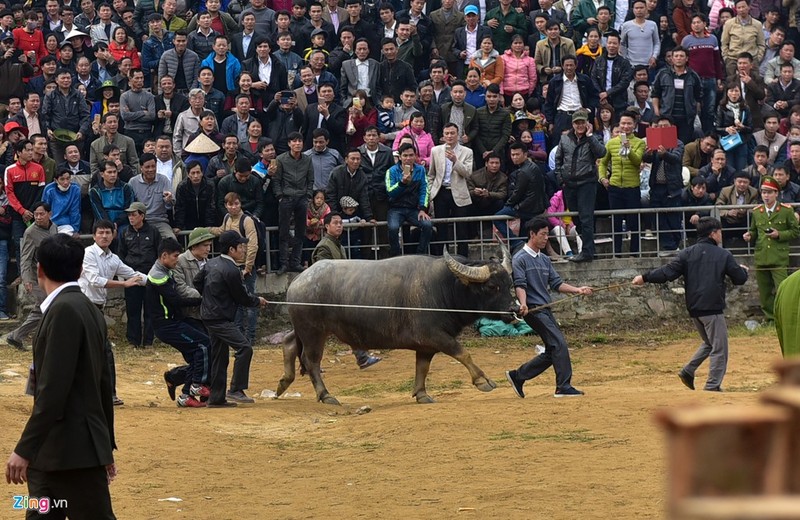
[329, 399]
[486, 386]
[282, 386]
[425, 399]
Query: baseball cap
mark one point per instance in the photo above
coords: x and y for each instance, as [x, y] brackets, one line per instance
[230, 239]
[137, 206]
[470, 9]
[580, 115]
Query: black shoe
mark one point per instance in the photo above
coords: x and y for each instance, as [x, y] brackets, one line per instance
[117, 401]
[297, 268]
[240, 397]
[170, 386]
[686, 379]
[223, 404]
[569, 392]
[715, 389]
[516, 385]
[16, 344]
[282, 270]
[582, 257]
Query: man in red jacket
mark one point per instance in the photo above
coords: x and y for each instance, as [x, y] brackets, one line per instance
[24, 187]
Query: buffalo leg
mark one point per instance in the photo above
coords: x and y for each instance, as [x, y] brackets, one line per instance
[479, 378]
[289, 358]
[423, 366]
[311, 358]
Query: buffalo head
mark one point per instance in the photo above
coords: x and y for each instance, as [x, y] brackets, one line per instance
[489, 283]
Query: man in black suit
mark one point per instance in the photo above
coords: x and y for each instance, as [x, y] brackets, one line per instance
[471, 14]
[278, 78]
[65, 451]
[243, 43]
[326, 114]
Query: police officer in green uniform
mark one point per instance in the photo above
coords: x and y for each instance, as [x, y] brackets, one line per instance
[773, 226]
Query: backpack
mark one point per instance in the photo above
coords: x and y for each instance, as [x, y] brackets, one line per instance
[261, 234]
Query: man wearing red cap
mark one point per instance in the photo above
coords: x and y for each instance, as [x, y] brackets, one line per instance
[773, 226]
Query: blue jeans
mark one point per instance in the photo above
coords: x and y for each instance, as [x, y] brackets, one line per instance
[708, 104]
[396, 218]
[246, 317]
[502, 225]
[3, 273]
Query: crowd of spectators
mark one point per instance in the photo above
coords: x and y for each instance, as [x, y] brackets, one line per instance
[405, 110]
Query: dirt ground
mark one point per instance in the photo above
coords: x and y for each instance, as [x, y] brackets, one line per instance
[470, 455]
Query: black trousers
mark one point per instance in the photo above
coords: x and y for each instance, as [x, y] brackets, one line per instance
[225, 334]
[290, 210]
[445, 207]
[84, 490]
[134, 308]
[193, 344]
[556, 352]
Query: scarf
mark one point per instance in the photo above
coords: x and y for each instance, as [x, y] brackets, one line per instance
[586, 51]
[736, 109]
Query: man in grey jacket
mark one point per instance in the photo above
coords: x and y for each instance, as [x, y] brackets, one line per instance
[169, 64]
[138, 109]
[42, 228]
[576, 171]
[293, 186]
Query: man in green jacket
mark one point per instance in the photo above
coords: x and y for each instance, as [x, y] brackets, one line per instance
[505, 22]
[773, 226]
[619, 174]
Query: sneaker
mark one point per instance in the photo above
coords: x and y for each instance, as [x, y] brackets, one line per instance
[371, 360]
[240, 397]
[188, 401]
[714, 389]
[199, 391]
[668, 253]
[516, 385]
[570, 254]
[648, 235]
[223, 404]
[117, 401]
[16, 343]
[170, 386]
[686, 379]
[4, 316]
[568, 392]
[297, 269]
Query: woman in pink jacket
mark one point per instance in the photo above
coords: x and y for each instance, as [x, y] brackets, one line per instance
[519, 71]
[424, 141]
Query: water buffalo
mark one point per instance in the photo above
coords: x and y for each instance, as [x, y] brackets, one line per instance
[409, 281]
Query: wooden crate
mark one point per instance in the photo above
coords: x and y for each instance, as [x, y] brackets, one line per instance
[740, 508]
[789, 397]
[726, 451]
[788, 371]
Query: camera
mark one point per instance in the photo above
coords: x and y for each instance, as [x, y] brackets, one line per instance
[286, 96]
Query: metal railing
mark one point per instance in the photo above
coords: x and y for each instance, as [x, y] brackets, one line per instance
[364, 240]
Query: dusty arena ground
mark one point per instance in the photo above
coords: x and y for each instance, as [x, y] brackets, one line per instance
[471, 455]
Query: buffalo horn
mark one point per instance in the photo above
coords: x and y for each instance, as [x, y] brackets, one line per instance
[466, 273]
[506, 258]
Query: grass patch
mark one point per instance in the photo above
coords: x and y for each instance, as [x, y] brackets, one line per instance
[581, 435]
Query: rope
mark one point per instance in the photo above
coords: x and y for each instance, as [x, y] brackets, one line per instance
[428, 309]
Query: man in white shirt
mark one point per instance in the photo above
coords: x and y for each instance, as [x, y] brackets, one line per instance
[100, 268]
